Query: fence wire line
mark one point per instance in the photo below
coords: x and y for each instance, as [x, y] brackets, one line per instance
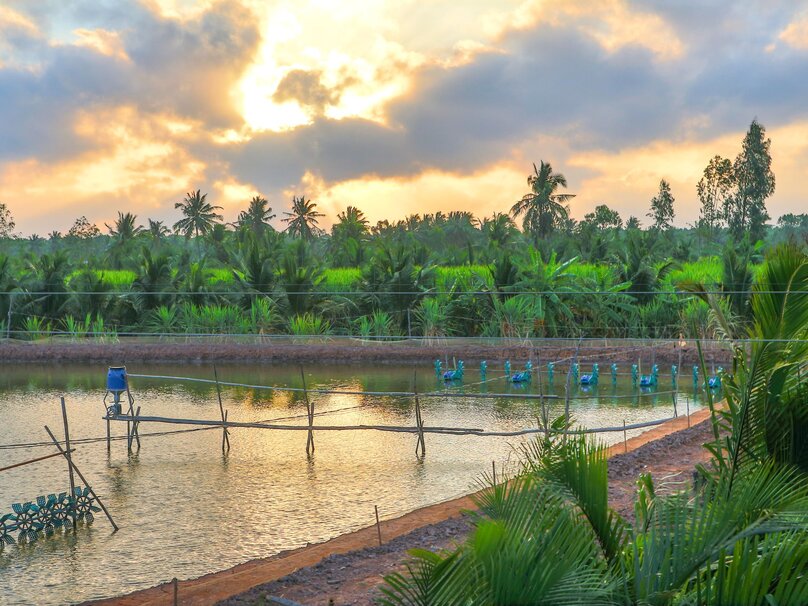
[392, 394]
[482, 433]
[320, 293]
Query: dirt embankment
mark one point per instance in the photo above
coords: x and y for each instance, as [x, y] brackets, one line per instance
[349, 568]
[354, 351]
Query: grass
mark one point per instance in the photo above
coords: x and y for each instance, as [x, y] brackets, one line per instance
[706, 270]
[341, 279]
[116, 279]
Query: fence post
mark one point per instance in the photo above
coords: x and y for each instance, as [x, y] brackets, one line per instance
[8, 321]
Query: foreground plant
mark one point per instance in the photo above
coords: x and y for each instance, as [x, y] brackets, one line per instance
[737, 536]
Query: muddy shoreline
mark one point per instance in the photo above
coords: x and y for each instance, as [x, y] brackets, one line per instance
[345, 351]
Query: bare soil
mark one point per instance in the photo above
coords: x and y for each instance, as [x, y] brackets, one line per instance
[354, 578]
[345, 350]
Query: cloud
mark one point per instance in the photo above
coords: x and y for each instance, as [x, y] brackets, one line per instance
[246, 96]
[305, 88]
[158, 65]
[796, 33]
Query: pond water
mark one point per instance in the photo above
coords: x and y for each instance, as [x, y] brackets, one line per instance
[185, 509]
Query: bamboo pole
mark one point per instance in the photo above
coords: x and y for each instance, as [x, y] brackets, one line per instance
[453, 431]
[420, 445]
[29, 461]
[68, 456]
[81, 477]
[135, 423]
[378, 524]
[225, 436]
[129, 430]
[625, 437]
[310, 411]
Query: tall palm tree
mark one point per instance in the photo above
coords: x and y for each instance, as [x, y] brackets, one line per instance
[123, 231]
[348, 237]
[124, 228]
[351, 223]
[257, 216]
[543, 208]
[302, 221]
[199, 215]
[499, 229]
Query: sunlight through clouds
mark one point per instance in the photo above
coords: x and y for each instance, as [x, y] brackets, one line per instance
[395, 107]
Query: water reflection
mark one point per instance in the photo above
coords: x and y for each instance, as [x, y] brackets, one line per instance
[185, 508]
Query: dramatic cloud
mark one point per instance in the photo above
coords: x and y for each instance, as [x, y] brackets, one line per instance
[397, 107]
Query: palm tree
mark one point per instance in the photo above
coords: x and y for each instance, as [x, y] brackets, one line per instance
[348, 237]
[499, 229]
[257, 216]
[124, 228]
[199, 215]
[153, 282]
[303, 218]
[157, 230]
[351, 223]
[543, 208]
[123, 231]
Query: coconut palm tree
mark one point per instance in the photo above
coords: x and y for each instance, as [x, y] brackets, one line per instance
[153, 282]
[348, 237]
[157, 230]
[198, 215]
[543, 208]
[302, 221]
[124, 228]
[123, 231]
[257, 216]
[499, 229]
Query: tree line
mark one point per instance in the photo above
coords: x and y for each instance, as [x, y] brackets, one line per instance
[433, 275]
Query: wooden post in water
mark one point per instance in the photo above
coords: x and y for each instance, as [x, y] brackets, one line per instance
[420, 446]
[135, 423]
[223, 412]
[176, 586]
[109, 439]
[310, 411]
[131, 431]
[68, 456]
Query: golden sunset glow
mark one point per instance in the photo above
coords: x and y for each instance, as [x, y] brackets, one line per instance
[395, 107]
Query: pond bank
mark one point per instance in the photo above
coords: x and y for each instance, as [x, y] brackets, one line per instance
[342, 350]
[349, 567]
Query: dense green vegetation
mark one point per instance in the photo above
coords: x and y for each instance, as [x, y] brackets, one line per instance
[433, 275]
[736, 535]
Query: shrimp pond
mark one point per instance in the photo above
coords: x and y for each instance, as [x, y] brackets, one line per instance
[186, 509]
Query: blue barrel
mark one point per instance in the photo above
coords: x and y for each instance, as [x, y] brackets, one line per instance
[116, 378]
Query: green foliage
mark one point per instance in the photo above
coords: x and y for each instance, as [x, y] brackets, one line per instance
[662, 207]
[308, 324]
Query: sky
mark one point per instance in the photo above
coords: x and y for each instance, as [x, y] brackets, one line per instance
[392, 106]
